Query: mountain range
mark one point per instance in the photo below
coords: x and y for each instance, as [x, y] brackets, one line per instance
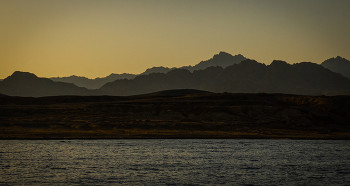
[222, 73]
[222, 59]
[248, 76]
[92, 83]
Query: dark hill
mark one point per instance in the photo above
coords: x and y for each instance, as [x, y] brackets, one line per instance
[28, 84]
[339, 65]
[249, 76]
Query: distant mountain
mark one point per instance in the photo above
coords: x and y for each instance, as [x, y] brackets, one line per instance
[248, 76]
[92, 83]
[222, 59]
[157, 70]
[222, 73]
[339, 65]
[28, 84]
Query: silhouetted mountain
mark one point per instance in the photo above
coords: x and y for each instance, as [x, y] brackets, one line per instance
[157, 70]
[28, 84]
[92, 83]
[222, 59]
[249, 76]
[339, 65]
[2, 95]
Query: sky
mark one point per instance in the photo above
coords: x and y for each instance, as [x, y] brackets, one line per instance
[94, 38]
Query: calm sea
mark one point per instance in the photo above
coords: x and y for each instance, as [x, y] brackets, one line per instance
[174, 162]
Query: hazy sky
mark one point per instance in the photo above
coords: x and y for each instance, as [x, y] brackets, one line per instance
[97, 37]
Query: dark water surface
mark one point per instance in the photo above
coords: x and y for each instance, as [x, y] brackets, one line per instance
[174, 162]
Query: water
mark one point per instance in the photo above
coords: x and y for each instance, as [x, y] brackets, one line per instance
[174, 162]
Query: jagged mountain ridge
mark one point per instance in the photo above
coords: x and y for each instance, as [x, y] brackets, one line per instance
[339, 65]
[249, 76]
[222, 59]
[160, 69]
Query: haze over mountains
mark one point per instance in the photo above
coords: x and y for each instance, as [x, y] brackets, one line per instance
[222, 73]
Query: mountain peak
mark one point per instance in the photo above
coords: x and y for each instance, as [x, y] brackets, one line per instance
[222, 53]
[338, 64]
[340, 58]
[225, 55]
[278, 63]
[239, 55]
[222, 59]
[22, 75]
[337, 59]
[159, 69]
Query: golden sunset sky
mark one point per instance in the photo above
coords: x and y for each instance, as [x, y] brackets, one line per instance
[94, 38]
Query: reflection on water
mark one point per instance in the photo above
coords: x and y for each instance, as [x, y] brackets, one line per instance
[259, 162]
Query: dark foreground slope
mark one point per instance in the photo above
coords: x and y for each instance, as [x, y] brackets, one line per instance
[191, 114]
